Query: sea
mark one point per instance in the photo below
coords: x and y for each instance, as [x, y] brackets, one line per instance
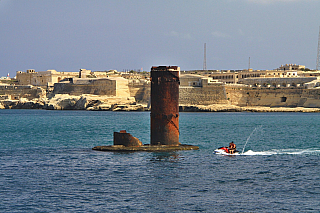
[47, 163]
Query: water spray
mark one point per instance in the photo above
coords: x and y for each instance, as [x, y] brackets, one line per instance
[255, 129]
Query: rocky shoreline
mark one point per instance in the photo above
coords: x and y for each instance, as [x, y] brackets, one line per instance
[233, 108]
[106, 103]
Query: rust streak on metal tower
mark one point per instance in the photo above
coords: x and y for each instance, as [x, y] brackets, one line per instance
[165, 105]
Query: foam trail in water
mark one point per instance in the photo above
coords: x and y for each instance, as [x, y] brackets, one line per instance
[285, 152]
[250, 152]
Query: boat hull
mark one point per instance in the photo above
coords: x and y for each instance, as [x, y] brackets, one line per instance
[223, 152]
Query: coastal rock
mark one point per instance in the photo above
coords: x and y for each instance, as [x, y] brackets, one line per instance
[100, 107]
[107, 103]
[87, 102]
[210, 108]
[233, 108]
[280, 109]
[22, 104]
[136, 107]
[62, 101]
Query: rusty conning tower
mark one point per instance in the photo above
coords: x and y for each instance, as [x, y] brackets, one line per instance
[165, 105]
[164, 117]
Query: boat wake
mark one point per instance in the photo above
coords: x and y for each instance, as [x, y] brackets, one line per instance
[274, 152]
[284, 152]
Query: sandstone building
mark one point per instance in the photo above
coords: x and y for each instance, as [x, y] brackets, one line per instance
[116, 86]
[43, 78]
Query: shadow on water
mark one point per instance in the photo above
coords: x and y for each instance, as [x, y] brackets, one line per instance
[166, 156]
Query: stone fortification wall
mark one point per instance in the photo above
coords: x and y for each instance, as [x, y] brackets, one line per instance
[202, 95]
[235, 93]
[187, 95]
[96, 88]
[278, 82]
[15, 92]
[42, 78]
[110, 87]
[141, 92]
[310, 98]
[240, 95]
[122, 87]
[273, 97]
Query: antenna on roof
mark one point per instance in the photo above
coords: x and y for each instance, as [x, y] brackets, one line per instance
[318, 53]
[205, 58]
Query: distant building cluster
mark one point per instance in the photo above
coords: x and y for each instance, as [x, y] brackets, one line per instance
[287, 75]
[282, 86]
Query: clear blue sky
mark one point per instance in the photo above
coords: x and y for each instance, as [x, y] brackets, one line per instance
[67, 35]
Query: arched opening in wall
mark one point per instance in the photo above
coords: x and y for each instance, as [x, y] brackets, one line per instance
[283, 99]
[274, 84]
[59, 79]
[284, 84]
[294, 84]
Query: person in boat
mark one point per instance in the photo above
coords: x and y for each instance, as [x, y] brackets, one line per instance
[232, 148]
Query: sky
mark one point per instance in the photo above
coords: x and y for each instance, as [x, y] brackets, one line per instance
[68, 35]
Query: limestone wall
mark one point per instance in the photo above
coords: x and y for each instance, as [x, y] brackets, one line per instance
[235, 93]
[141, 92]
[310, 98]
[241, 95]
[43, 78]
[187, 95]
[102, 86]
[122, 89]
[202, 95]
[95, 87]
[274, 97]
[15, 92]
[278, 82]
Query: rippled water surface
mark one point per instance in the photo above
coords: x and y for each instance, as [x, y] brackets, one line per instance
[47, 165]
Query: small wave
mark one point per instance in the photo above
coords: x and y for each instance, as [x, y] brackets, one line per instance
[285, 152]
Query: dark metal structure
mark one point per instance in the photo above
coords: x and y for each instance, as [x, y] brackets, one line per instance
[164, 117]
[125, 139]
[165, 105]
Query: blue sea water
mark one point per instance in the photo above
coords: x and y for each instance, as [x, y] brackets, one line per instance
[47, 164]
